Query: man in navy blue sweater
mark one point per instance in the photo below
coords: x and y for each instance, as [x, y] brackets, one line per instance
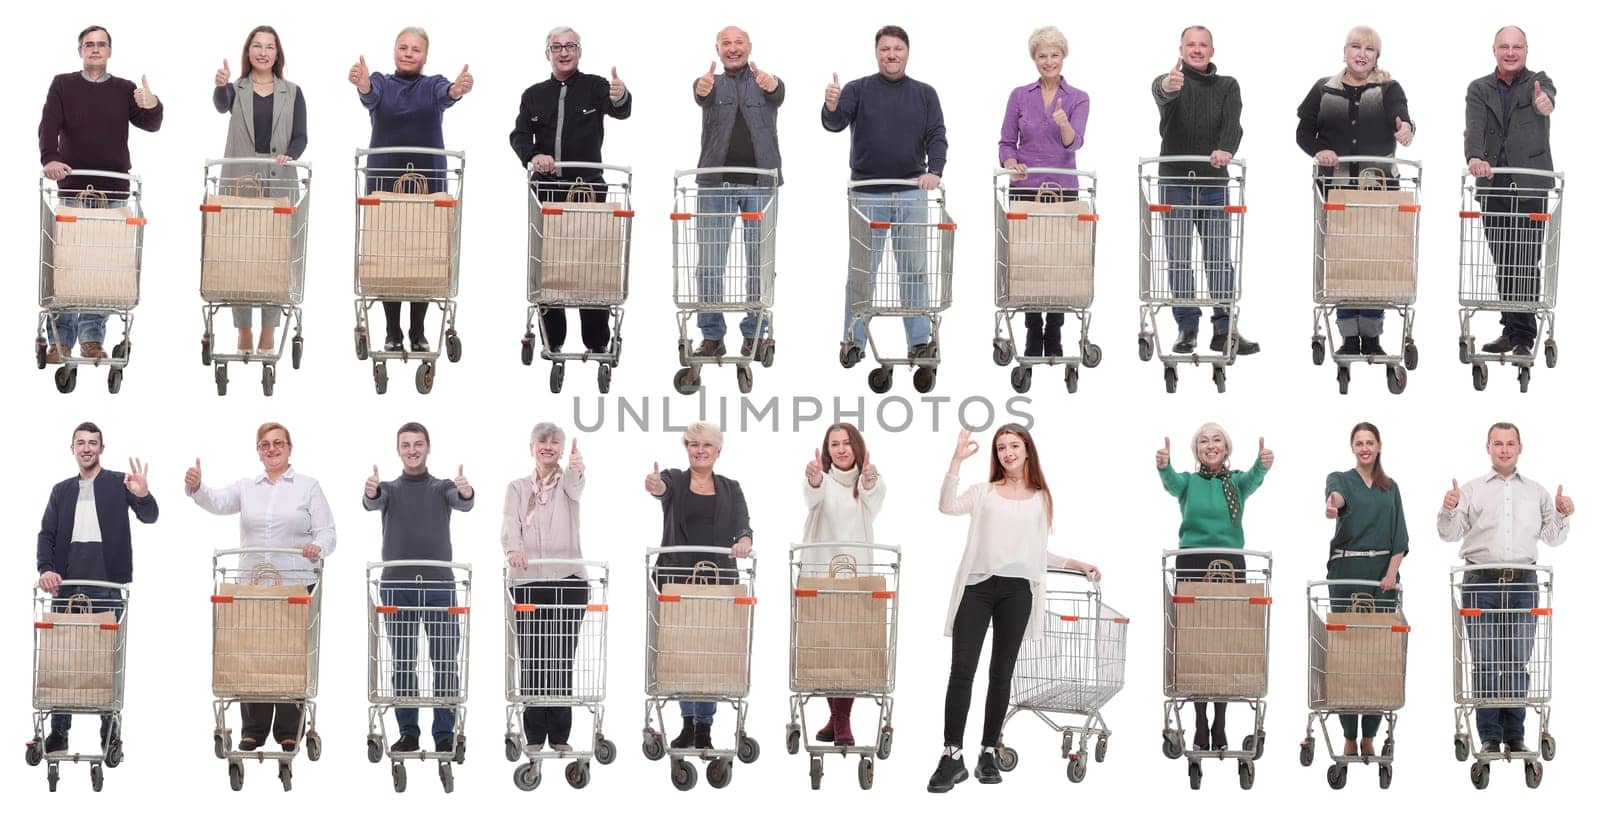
[896, 132]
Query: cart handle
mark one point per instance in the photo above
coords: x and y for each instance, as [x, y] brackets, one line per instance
[810, 546]
[1369, 583]
[686, 549]
[104, 174]
[360, 152]
[1493, 170]
[768, 172]
[999, 172]
[260, 160]
[1360, 159]
[605, 566]
[905, 183]
[1187, 157]
[1496, 566]
[1266, 555]
[232, 552]
[628, 169]
[459, 566]
[94, 583]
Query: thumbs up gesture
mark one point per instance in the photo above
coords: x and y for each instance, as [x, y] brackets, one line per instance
[372, 484]
[191, 478]
[869, 475]
[1059, 116]
[1173, 82]
[1264, 454]
[223, 75]
[1542, 101]
[1563, 502]
[1164, 454]
[462, 486]
[766, 82]
[1452, 498]
[360, 77]
[830, 95]
[462, 85]
[1335, 502]
[702, 86]
[653, 482]
[814, 469]
[143, 96]
[575, 460]
[618, 88]
[1402, 131]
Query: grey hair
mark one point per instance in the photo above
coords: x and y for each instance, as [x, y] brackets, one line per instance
[704, 432]
[417, 30]
[1227, 441]
[560, 30]
[545, 430]
[1046, 35]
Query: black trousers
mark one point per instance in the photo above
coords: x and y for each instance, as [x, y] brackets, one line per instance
[547, 639]
[1517, 244]
[391, 320]
[596, 327]
[1007, 602]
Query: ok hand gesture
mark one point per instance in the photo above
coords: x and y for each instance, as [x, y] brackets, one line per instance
[965, 448]
[138, 478]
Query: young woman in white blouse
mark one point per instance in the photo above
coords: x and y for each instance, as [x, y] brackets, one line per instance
[1001, 580]
[277, 509]
[843, 494]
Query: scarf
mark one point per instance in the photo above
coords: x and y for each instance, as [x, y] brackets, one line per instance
[1229, 490]
[542, 491]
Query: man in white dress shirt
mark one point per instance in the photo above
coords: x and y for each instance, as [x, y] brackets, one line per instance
[1500, 518]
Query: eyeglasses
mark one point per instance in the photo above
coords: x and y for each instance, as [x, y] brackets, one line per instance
[557, 48]
[94, 44]
[267, 445]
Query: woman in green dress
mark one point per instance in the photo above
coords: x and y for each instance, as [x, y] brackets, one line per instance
[1369, 541]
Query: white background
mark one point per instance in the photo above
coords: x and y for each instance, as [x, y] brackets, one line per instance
[1096, 445]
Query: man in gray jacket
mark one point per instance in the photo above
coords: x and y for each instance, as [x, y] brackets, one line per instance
[1508, 125]
[738, 128]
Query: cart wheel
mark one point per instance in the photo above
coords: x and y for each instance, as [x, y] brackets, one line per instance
[1308, 751]
[40, 351]
[885, 743]
[1524, 373]
[683, 774]
[864, 772]
[1219, 376]
[791, 739]
[1260, 744]
[1397, 380]
[881, 379]
[114, 753]
[1147, 348]
[1408, 354]
[447, 777]
[768, 350]
[1171, 745]
[749, 750]
[558, 375]
[1072, 379]
[605, 751]
[313, 747]
[1003, 352]
[1547, 747]
[1194, 775]
[719, 773]
[97, 777]
[816, 772]
[653, 748]
[1319, 351]
[397, 772]
[1077, 768]
[1388, 748]
[513, 748]
[1480, 775]
[424, 377]
[603, 379]
[527, 777]
[452, 346]
[1021, 378]
[1549, 355]
[1532, 774]
[269, 377]
[52, 775]
[1005, 758]
[35, 752]
[374, 749]
[1385, 776]
[361, 344]
[380, 377]
[120, 351]
[206, 341]
[686, 381]
[1464, 350]
[219, 373]
[1338, 774]
[849, 356]
[1171, 375]
[114, 380]
[1247, 774]
[286, 775]
[683, 352]
[235, 775]
[1480, 376]
[1462, 750]
[924, 378]
[1091, 355]
[527, 349]
[578, 774]
[459, 756]
[1100, 750]
[66, 379]
[745, 378]
[297, 350]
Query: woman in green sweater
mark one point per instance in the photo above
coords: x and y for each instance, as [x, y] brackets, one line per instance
[1211, 500]
[1369, 541]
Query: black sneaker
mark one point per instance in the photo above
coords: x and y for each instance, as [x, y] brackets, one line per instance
[1053, 349]
[444, 744]
[406, 744]
[988, 770]
[1186, 342]
[921, 351]
[947, 775]
[747, 347]
[1241, 346]
[1491, 748]
[1033, 346]
[419, 344]
[248, 744]
[1370, 345]
[394, 345]
[1516, 745]
[1351, 346]
[1498, 346]
[55, 742]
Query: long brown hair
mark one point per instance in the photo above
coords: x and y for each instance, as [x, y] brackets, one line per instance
[277, 65]
[1380, 480]
[1033, 472]
[858, 446]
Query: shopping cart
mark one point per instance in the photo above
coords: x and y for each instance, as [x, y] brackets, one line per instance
[901, 259]
[1044, 262]
[408, 248]
[91, 248]
[80, 660]
[844, 622]
[408, 600]
[717, 268]
[1502, 614]
[1510, 261]
[1366, 213]
[579, 240]
[253, 256]
[266, 630]
[1074, 670]
[1356, 666]
[699, 631]
[556, 657]
[1171, 271]
[1217, 629]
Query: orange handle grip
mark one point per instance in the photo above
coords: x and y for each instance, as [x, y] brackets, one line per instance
[1233, 209]
[282, 210]
[1410, 208]
[299, 600]
[210, 208]
[387, 609]
[368, 201]
[879, 225]
[1539, 217]
[1160, 208]
[1183, 600]
[681, 217]
[597, 608]
[883, 594]
[1016, 217]
[523, 608]
[947, 226]
[805, 593]
[1333, 207]
[744, 600]
[752, 217]
[1088, 217]
[1471, 214]
[444, 202]
[456, 610]
[622, 214]
[221, 600]
[669, 598]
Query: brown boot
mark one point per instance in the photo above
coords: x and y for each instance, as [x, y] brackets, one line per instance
[92, 349]
[55, 353]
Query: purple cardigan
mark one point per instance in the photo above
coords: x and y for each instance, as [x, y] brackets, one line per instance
[1029, 135]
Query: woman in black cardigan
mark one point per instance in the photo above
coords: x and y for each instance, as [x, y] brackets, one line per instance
[699, 507]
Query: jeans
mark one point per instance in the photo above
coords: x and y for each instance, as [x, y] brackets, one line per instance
[422, 608]
[1198, 208]
[1516, 244]
[719, 208]
[100, 599]
[1359, 323]
[908, 213]
[1008, 603]
[1502, 643]
[701, 712]
[547, 639]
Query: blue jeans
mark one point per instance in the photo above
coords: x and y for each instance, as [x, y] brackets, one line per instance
[719, 207]
[445, 651]
[100, 599]
[908, 212]
[72, 327]
[1359, 322]
[1198, 208]
[1501, 643]
[701, 712]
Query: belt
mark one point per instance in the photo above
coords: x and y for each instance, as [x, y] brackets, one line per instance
[1339, 553]
[1501, 575]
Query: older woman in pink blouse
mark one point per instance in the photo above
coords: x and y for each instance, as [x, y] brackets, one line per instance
[1043, 128]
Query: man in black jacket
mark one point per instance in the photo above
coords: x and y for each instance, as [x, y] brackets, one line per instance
[563, 120]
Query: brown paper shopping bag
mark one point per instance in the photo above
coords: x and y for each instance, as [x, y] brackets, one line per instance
[408, 238]
[581, 248]
[841, 630]
[77, 661]
[94, 255]
[1050, 250]
[703, 635]
[246, 245]
[1366, 657]
[1220, 638]
[260, 637]
[1369, 243]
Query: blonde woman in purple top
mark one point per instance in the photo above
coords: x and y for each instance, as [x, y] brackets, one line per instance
[1043, 128]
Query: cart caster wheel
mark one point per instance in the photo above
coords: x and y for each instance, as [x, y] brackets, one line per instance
[745, 378]
[313, 747]
[447, 777]
[205, 349]
[1464, 350]
[114, 380]
[1147, 348]
[1549, 354]
[1171, 745]
[1480, 775]
[1021, 379]
[1408, 355]
[397, 772]
[578, 775]
[1338, 774]
[683, 775]
[1171, 376]
[1344, 379]
[219, 373]
[1397, 380]
[1005, 758]
[286, 775]
[924, 378]
[1194, 775]
[1247, 774]
[269, 378]
[1092, 355]
[653, 748]
[719, 773]
[1308, 752]
[1532, 774]
[686, 381]
[603, 379]
[1388, 748]
[605, 751]
[1385, 776]
[66, 379]
[114, 754]
[768, 352]
[1077, 768]
[1462, 750]
[816, 773]
[885, 743]
[40, 351]
[380, 378]
[1480, 376]
[1072, 380]
[374, 749]
[424, 377]
[513, 749]
[459, 756]
[880, 380]
[452, 347]
[361, 344]
[791, 740]
[1100, 750]
[864, 772]
[52, 775]
[527, 349]
[1524, 374]
[97, 777]
[1259, 744]
[297, 350]
[849, 356]
[1003, 352]
[749, 750]
[527, 777]
[35, 752]
[558, 376]
[235, 776]
[1219, 376]
[1547, 747]
[1319, 351]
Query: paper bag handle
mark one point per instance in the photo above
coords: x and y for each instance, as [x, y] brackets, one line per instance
[842, 564]
[411, 182]
[1219, 571]
[266, 574]
[581, 192]
[1362, 603]
[1049, 193]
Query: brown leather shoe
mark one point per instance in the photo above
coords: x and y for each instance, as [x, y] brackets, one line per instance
[93, 349]
[55, 353]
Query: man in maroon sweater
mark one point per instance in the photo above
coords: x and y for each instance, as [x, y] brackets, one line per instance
[85, 125]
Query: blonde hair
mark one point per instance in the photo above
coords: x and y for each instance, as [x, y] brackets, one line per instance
[417, 30]
[1227, 442]
[1046, 35]
[703, 432]
[1367, 35]
[271, 425]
